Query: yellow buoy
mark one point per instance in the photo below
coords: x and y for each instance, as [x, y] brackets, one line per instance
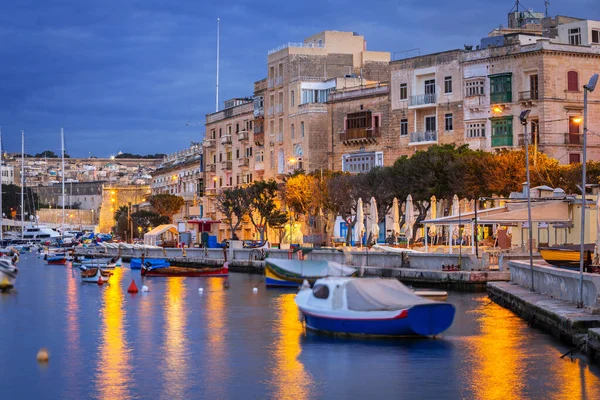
[42, 355]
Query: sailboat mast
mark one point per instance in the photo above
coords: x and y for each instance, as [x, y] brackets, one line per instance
[22, 183]
[218, 56]
[1, 182]
[62, 155]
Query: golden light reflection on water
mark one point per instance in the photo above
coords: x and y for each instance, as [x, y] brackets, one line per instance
[175, 339]
[498, 367]
[290, 380]
[73, 357]
[573, 380]
[215, 329]
[114, 371]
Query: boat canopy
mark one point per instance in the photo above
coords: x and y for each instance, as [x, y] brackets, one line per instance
[312, 268]
[374, 294]
[151, 237]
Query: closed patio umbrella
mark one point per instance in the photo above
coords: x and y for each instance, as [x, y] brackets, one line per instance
[409, 218]
[374, 228]
[360, 220]
[396, 217]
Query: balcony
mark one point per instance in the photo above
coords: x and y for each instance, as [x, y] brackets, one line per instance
[210, 191]
[226, 140]
[533, 139]
[279, 138]
[574, 139]
[211, 168]
[208, 143]
[226, 165]
[244, 162]
[528, 95]
[418, 138]
[242, 136]
[360, 136]
[259, 166]
[312, 108]
[502, 140]
[501, 97]
[423, 100]
[259, 138]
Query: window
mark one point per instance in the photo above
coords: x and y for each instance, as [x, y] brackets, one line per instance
[361, 162]
[403, 91]
[302, 129]
[359, 120]
[448, 122]
[430, 86]
[475, 129]
[596, 36]
[533, 87]
[574, 136]
[501, 88]
[403, 127]
[448, 84]
[430, 124]
[321, 292]
[293, 131]
[575, 36]
[292, 100]
[474, 88]
[574, 158]
[237, 154]
[272, 160]
[314, 96]
[502, 132]
[572, 81]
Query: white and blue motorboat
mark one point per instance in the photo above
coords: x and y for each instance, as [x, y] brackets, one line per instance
[8, 272]
[371, 307]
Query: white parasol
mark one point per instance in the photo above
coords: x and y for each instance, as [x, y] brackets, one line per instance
[433, 211]
[396, 217]
[409, 218]
[374, 229]
[360, 220]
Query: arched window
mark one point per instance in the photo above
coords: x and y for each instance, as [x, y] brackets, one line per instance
[572, 81]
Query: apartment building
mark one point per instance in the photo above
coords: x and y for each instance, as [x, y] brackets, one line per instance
[8, 175]
[229, 150]
[299, 81]
[181, 174]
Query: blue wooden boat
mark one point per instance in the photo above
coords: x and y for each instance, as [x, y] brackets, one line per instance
[371, 307]
[291, 273]
[136, 263]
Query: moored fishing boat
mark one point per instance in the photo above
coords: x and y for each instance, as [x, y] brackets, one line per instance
[371, 307]
[94, 274]
[148, 270]
[291, 273]
[8, 272]
[567, 256]
[56, 259]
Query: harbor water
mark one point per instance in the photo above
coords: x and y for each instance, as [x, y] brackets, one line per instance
[175, 342]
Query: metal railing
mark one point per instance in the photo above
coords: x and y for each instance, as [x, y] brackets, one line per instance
[528, 95]
[423, 137]
[358, 134]
[574, 139]
[211, 168]
[242, 136]
[243, 162]
[209, 143]
[349, 94]
[226, 165]
[423, 99]
[296, 45]
[226, 139]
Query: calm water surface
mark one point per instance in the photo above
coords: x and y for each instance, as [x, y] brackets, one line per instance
[174, 342]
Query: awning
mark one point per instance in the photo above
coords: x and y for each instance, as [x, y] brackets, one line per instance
[151, 237]
[204, 225]
[465, 218]
[554, 212]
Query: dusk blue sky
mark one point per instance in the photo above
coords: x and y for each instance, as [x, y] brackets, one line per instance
[128, 75]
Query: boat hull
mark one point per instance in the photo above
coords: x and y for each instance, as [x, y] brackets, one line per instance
[567, 257]
[93, 275]
[7, 280]
[57, 261]
[420, 320]
[185, 272]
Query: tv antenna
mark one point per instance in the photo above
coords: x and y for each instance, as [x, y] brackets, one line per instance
[546, 4]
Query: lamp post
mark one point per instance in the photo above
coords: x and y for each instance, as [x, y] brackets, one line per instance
[523, 118]
[586, 88]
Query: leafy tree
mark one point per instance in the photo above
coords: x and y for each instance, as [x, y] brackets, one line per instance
[231, 203]
[378, 183]
[260, 203]
[147, 219]
[166, 204]
[343, 198]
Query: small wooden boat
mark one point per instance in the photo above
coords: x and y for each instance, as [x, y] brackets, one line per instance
[292, 273]
[185, 271]
[371, 307]
[94, 274]
[56, 259]
[8, 273]
[567, 256]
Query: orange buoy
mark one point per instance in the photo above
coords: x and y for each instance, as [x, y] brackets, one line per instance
[132, 287]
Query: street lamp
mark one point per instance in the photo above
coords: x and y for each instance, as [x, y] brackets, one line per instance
[523, 118]
[586, 88]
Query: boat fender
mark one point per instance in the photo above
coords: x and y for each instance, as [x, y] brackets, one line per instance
[226, 265]
[144, 288]
[200, 290]
[42, 355]
[255, 290]
[305, 285]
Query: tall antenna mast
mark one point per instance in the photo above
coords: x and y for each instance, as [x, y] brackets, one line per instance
[546, 4]
[218, 55]
[22, 183]
[62, 155]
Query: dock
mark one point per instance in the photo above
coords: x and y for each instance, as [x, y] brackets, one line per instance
[579, 327]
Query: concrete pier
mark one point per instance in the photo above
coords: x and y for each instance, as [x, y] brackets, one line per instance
[562, 319]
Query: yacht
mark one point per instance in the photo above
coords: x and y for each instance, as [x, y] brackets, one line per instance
[40, 233]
